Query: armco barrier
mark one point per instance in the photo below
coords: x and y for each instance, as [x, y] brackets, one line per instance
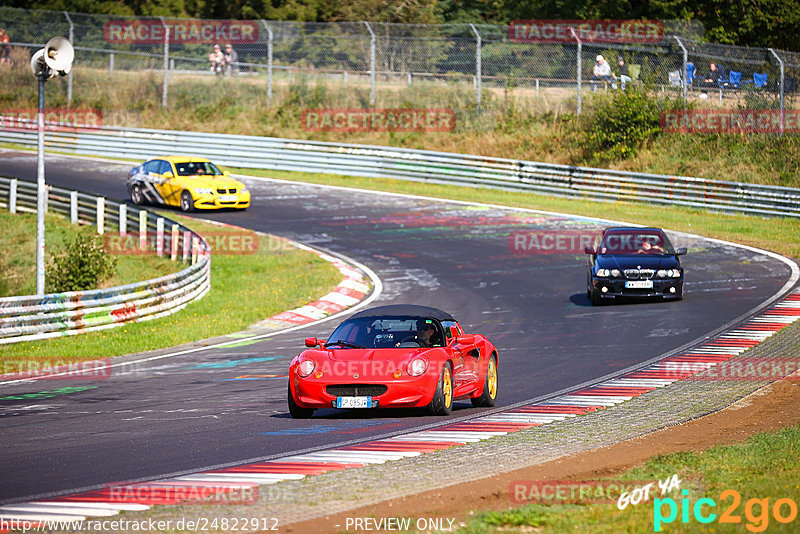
[421, 165]
[30, 318]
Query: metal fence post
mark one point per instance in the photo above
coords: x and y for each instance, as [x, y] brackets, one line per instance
[142, 229]
[579, 67]
[101, 215]
[684, 72]
[73, 207]
[166, 63]
[160, 236]
[12, 196]
[780, 62]
[269, 61]
[477, 67]
[72, 41]
[111, 64]
[123, 220]
[371, 64]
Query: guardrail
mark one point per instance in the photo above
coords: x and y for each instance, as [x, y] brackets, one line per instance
[30, 318]
[418, 165]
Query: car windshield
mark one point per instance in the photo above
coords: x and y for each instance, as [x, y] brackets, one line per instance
[387, 332]
[194, 168]
[635, 242]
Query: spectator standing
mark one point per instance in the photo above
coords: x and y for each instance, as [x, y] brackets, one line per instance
[601, 71]
[623, 74]
[217, 60]
[231, 59]
[5, 48]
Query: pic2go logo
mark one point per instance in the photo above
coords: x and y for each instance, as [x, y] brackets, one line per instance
[757, 521]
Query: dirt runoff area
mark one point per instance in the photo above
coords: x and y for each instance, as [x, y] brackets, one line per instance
[768, 409]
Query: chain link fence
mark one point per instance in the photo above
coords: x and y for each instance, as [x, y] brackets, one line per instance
[130, 67]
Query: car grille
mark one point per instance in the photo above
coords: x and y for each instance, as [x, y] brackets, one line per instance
[355, 390]
[223, 191]
[636, 274]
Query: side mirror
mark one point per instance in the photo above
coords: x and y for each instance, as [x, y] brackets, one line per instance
[168, 175]
[311, 342]
[226, 173]
[681, 251]
[466, 340]
[588, 250]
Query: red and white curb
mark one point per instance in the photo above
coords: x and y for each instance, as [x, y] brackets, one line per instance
[141, 496]
[348, 293]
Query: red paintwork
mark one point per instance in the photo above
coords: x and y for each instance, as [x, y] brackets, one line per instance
[376, 366]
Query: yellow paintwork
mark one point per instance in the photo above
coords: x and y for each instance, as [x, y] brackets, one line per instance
[203, 188]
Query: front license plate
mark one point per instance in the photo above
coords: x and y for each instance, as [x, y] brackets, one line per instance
[639, 284]
[227, 198]
[354, 402]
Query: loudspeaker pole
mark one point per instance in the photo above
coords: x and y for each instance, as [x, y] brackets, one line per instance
[41, 192]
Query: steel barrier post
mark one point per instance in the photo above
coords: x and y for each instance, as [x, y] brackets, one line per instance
[780, 62]
[173, 243]
[160, 236]
[186, 236]
[73, 207]
[142, 230]
[371, 64]
[101, 215]
[123, 220]
[12, 196]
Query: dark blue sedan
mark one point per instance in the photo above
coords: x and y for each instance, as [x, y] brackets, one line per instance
[633, 262]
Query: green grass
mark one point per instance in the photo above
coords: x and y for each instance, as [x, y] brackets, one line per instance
[775, 234]
[18, 261]
[245, 289]
[763, 467]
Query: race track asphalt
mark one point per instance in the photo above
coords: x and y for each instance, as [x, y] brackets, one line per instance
[192, 411]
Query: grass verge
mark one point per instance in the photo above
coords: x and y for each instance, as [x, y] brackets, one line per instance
[18, 262]
[245, 289]
[774, 234]
[760, 472]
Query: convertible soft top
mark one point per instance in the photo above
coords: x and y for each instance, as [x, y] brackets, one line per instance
[405, 310]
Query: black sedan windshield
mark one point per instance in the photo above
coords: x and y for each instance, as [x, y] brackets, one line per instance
[633, 242]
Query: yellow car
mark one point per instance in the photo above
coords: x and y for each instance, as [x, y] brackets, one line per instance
[188, 182]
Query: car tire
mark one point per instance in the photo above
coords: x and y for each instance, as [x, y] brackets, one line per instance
[442, 401]
[187, 202]
[489, 394]
[595, 297]
[296, 411]
[137, 197]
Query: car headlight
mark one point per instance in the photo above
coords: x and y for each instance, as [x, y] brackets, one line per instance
[615, 273]
[417, 366]
[203, 190]
[603, 273]
[662, 273]
[676, 273]
[244, 189]
[305, 368]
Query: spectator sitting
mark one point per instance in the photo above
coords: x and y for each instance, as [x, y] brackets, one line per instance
[601, 71]
[5, 48]
[624, 76]
[711, 79]
[231, 59]
[217, 60]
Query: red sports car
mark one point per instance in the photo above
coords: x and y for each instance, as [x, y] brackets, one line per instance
[394, 356]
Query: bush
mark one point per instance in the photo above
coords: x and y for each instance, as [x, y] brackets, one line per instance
[622, 123]
[83, 264]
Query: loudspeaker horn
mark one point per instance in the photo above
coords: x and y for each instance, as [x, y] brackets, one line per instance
[37, 63]
[58, 54]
